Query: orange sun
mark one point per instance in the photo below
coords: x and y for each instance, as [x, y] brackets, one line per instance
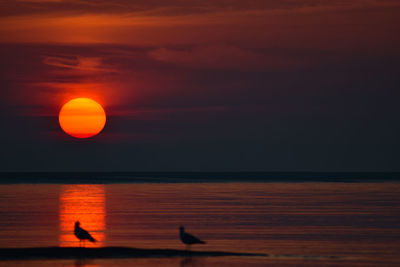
[82, 117]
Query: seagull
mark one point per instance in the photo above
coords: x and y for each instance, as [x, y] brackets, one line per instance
[82, 234]
[187, 238]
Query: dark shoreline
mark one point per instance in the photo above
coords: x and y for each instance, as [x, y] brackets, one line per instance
[106, 253]
[193, 177]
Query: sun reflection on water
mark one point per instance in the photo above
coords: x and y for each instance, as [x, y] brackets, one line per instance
[84, 203]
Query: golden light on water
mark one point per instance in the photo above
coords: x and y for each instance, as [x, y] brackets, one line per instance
[84, 203]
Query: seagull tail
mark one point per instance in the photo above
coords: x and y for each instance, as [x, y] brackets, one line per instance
[91, 239]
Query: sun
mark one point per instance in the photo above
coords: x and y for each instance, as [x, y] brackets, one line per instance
[82, 118]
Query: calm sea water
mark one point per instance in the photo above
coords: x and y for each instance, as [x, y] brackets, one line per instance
[299, 224]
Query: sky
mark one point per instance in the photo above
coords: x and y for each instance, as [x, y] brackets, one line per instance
[221, 85]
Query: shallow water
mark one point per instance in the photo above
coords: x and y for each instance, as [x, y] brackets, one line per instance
[319, 224]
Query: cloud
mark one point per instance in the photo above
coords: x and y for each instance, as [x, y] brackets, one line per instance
[79, 64]
[174, 7]
[39, 1]
[222, 57]
[320, 25]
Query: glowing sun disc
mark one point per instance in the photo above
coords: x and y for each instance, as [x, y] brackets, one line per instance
[82, 118]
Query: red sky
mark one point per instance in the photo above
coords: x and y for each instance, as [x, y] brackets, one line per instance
[203, 85]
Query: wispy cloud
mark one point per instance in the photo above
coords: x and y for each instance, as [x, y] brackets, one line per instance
[303, 24]
[223, 57]
[79, 64]
[174, 7]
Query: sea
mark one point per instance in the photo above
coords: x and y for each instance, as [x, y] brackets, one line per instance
[333, 220]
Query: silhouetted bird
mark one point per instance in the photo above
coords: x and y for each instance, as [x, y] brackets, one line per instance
[82, 234]
[187, 238]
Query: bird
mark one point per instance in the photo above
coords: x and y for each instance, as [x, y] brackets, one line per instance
[188, 239]
[82, 234]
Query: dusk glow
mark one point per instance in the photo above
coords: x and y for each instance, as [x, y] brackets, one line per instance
[220, 85]
[169, 132]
